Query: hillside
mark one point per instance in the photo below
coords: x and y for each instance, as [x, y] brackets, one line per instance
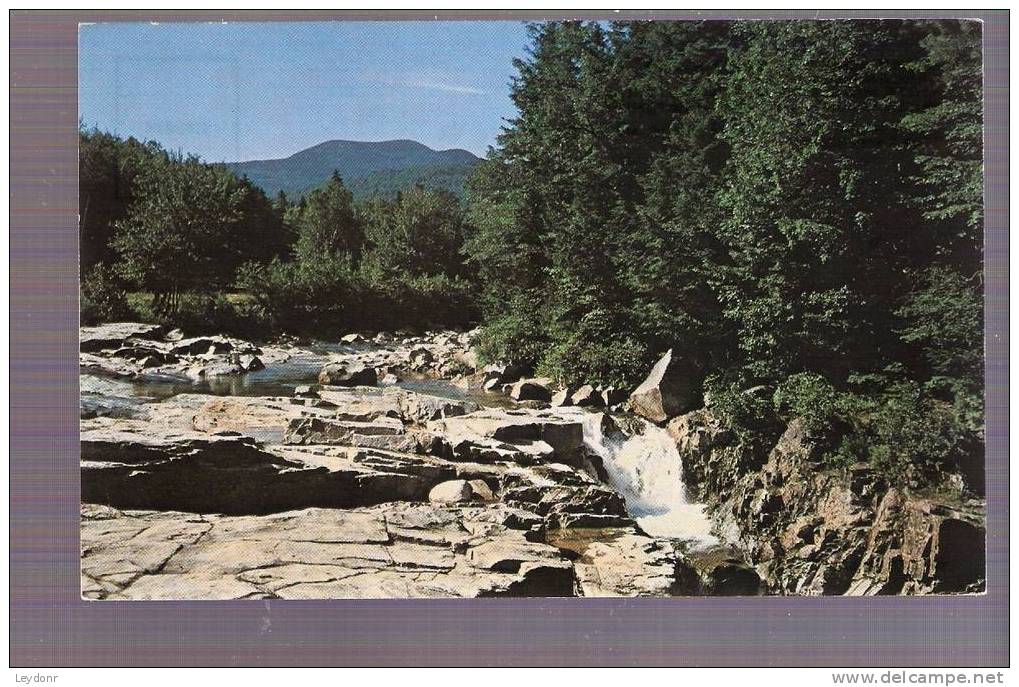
[382, 167]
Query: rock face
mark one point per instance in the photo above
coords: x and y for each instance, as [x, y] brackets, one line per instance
[668, 391]
[397, 551]
[816, 530]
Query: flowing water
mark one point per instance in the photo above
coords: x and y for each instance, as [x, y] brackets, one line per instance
[646, 469]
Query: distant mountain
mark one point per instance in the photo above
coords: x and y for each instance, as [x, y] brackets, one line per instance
[367, 168]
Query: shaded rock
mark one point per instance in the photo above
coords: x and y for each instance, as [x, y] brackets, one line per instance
[352, 339]
[813, 530]
[587, 397]
[613, 397]
[496, 376]
[531, 390]
[669, 390]
[348, 374]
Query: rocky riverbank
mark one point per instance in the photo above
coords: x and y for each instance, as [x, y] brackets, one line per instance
[350, 485]
[395, 466]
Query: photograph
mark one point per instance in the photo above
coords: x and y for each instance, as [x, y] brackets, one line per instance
[578, 308]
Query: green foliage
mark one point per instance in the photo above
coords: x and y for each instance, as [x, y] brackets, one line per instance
[418, 233]
[169, 223]
[943, 318]
[793, 207]
[388, 184]
[107, 170]
[328, 225]
[102, 296]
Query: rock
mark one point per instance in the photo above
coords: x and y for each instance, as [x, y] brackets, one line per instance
[137, 464]
[324, 431]
[531, 390]
[389, 379]
[348, 374]
[587, 397]
[612, 397]
[562, 398]
[174, 335]
[210, 345]
[816, 531]
[421, 357]
[619, 562]
[456, 491]
[113, 335]
[722, 573]
[351, 339]
[250, 363]
[668, 391]
[421, 408]
[394, 551]
[496, 376]
[565, 436]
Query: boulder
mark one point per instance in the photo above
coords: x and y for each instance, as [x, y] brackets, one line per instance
[587, 397]
[496, 376]
[612, 396]
[351, 339]
[421, 357]
[459, 490]
[562, 398]
[536, 389]
[350, 373]
[667, 392]
[250, 363]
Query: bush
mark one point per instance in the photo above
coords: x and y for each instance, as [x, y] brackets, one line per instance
[328, 295]
[103, 298]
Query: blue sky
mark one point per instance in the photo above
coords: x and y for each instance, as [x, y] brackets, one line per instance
[243, 91]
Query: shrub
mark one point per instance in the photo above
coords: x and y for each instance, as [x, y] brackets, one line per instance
[103, 298]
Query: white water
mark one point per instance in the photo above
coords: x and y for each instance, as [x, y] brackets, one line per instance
[646, 469]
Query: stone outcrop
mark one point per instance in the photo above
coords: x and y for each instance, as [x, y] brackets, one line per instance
[397, 551]
[143, 351]
[669, 390]
[812, 529]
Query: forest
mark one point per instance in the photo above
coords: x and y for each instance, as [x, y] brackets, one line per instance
[795, 209]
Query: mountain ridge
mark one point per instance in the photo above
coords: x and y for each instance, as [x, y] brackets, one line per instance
[404, 160]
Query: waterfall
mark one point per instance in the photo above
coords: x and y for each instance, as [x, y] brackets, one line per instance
[646, 469]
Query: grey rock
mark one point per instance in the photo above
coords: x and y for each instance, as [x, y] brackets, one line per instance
[669, 390]
[348, 374]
